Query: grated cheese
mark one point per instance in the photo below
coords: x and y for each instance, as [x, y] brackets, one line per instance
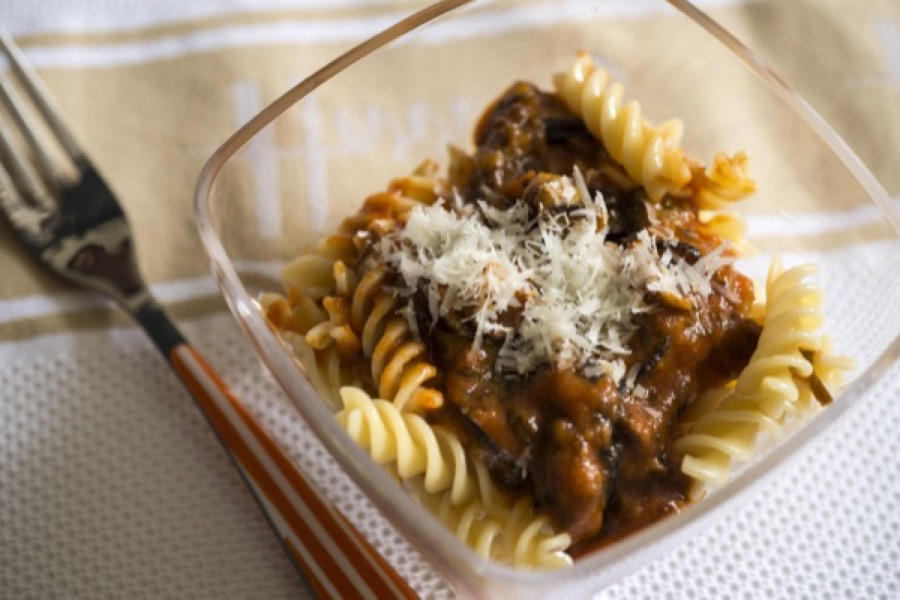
[577, 294]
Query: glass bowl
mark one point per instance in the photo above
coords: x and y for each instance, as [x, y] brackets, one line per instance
[377, 111]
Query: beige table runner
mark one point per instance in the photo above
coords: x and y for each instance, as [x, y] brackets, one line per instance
[110, 486]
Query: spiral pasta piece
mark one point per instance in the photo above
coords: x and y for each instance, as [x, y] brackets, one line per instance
[650, 155]
[727, 226]
[383, 211]
[469, 522]
[724, 425]
[434, 463]
[398, 367]
[323, 369]
[298, 316]
[531, 541]
[831, 368]
[723, 183]
[314, 273]
[404, 438]
[516, 537]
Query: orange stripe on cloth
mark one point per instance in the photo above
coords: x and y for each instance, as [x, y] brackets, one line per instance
[344, 564]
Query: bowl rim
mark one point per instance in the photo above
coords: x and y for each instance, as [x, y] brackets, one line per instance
[457, 562]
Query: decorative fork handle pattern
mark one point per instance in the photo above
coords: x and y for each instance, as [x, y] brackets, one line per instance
[336, 559]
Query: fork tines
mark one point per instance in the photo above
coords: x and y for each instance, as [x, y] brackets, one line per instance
[37, 180]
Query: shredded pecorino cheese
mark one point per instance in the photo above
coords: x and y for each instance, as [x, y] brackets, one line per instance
[575, 294]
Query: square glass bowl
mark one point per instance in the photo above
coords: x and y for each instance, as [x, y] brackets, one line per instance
[377, 111]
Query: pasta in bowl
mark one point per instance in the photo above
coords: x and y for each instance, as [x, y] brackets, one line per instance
[550, 345]
[551, 342]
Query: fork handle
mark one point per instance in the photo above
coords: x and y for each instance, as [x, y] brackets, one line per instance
[337, 561]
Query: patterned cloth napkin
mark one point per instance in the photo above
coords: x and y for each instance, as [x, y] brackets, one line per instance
[111, 484]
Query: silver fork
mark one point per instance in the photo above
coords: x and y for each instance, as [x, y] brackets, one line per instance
[69, 219]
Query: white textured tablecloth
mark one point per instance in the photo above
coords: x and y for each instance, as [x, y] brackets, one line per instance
[112, 485]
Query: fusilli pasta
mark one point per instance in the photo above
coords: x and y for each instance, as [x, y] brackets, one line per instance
[724, 424]
[726, 181]
[650, 155]
[404, 438]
